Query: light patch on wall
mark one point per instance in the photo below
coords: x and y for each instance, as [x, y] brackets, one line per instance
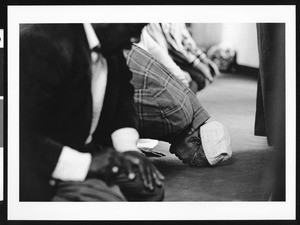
[242, 37]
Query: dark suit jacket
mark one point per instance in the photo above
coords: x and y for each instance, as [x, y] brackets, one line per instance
[56, 101]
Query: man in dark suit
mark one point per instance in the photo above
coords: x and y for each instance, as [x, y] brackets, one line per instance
[77, 119]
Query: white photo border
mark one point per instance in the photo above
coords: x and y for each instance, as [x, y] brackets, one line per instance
[147, 210]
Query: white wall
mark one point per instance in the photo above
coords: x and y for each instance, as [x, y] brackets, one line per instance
[241, 36]
[207, 34]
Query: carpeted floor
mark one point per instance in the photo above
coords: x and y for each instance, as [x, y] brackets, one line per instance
[230, 99]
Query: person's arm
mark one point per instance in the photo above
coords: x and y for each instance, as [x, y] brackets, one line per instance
[72, 165]
[125, 135]
[151, 46]
[125, 139]
[125, 113]
[41, 83]
[174, 40]
[43, 79]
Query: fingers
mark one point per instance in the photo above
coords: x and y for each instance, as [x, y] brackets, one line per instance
[143, 170]
[115, 163]
[113, 168]
[158, 175]
[143, 175]
[150, 176]
[187, 77]
[185, 82]
[127, 166]
[157, 181]
[184, 79]
[134, 160]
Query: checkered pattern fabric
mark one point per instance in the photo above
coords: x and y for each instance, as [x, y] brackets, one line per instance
[165, 106]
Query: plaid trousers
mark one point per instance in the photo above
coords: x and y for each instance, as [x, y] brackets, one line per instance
[166, 108]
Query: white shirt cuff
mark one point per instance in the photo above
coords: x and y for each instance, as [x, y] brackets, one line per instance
[72, 165]
[125, 139]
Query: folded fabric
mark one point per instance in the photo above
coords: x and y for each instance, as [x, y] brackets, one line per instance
[147, 145]
[215, 142]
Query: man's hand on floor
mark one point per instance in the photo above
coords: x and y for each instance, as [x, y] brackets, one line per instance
[105, 164]
[151, 177]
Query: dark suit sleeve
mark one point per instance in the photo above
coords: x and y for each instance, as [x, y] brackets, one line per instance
[125, 113]
[41, 83]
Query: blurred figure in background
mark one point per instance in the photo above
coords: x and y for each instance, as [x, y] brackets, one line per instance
[224, 56]
[175, 38]
[161, 54]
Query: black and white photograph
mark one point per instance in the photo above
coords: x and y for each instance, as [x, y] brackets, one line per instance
[1, 120]
[117, 113]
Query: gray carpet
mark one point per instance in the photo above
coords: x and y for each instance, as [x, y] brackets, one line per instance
[230, 99]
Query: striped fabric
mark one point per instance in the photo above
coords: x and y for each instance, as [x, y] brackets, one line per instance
[181, 53]
[165, 106]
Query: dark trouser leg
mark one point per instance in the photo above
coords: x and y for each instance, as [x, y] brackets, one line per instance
[271, 85]
[134, 190]
[270, 112]
[89, 190]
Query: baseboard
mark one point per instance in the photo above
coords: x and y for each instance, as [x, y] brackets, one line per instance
[247, 70]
